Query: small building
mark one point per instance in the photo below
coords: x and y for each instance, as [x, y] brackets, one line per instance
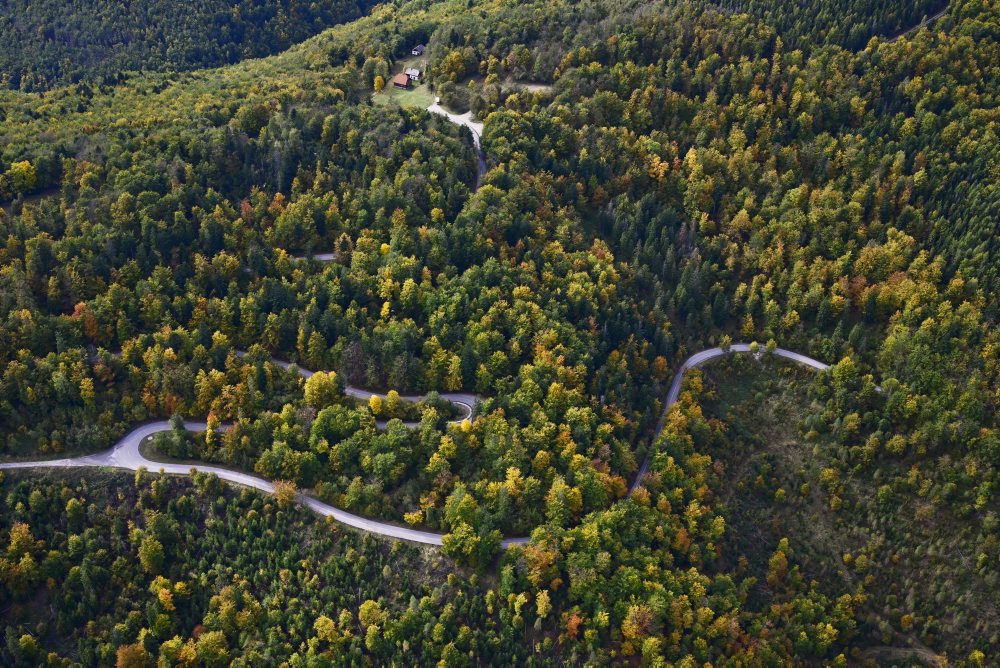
[418, 50]
[401, 80]
[413, 73]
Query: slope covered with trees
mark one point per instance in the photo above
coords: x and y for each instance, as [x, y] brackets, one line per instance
[804, 25]
[782, 480]
[687, 179]
[144, 570]
[53, 42]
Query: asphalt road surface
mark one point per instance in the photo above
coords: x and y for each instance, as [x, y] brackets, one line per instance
[126, 454]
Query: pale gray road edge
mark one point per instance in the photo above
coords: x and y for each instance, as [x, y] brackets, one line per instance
[697, 360]
[126, 455]
[475, 127]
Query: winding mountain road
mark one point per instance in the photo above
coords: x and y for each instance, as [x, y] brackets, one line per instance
[126, 453]
[465, 402]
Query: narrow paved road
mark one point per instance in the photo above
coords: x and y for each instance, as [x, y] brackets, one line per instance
[474, 126]
[926, 21]
[697, 360]
[465, 402]
[126, 455]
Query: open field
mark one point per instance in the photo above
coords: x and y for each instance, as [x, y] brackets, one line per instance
[418, 95]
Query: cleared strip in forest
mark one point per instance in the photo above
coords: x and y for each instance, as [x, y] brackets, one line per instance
[933, 17]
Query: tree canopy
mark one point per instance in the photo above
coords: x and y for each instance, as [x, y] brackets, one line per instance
[662, 177]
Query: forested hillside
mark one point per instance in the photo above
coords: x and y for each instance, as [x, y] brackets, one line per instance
[672, 177]
[195, 573]
[805, 25]
[51, 42]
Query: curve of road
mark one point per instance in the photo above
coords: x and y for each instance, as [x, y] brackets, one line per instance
[465, 402]
[697, 360]
[475, 127]
[125, 454]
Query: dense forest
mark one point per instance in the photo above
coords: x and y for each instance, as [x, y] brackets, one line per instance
[142, 570]
[678, 175]
[51, 43]
[802, 25]
[55, 42]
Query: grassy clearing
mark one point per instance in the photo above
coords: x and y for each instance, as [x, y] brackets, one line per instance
[419, 97]
[420, 62]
